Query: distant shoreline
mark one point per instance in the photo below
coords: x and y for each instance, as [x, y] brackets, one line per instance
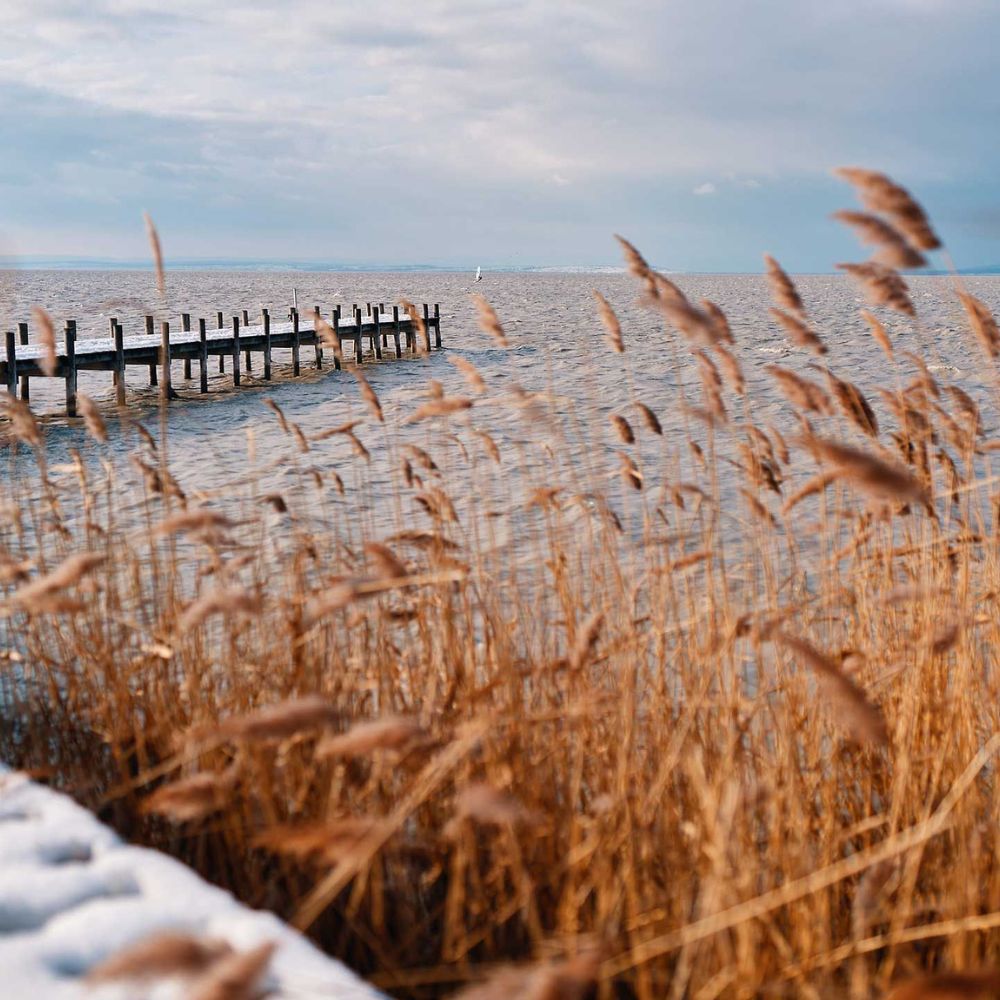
[13, 265]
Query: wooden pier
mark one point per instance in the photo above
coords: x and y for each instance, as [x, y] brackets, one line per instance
[389, 332]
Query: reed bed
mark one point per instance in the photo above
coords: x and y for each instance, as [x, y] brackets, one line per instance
[723, 723]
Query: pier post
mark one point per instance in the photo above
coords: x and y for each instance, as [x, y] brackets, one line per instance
[296, 340]
[358, 354]
[319, 342]
[395, 330]
[186, 327]
[377, 339]
[385, 331]
[71, 368]
[165, 359]
[368, 309]
[118, 333]
[437, 326]
[236, 350]
[246, 354]
[22, 331]
[152, 364]
[266, 320]
[203, 354]
[222, 357]
[11, 364]
[339, 353]
[427, 329]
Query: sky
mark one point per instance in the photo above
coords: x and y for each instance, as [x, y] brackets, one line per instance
[509, 133]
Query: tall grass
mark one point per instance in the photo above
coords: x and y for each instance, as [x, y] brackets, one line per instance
[724, 725]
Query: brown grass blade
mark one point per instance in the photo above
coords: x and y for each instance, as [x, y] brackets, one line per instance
[981, 985]
[368, 395]
[157, 251]
[612, 328]
[169, 953]
[469, 370]
[235, 977]
[878, 332]
[66, 574]
[798, 332]
[47, 340]
[391, 733]
[489, 321]
[862, 719]
[881, 194]
[783, 289]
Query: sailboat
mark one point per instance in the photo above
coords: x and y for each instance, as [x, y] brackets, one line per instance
[479, 274]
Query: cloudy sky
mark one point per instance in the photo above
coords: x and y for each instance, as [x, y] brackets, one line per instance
[490, 131]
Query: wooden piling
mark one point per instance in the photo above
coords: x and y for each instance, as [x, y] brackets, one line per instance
[222, 357]
[186, 327]
[266, 321]
[236, 350]
[246, 354]
[22, 330]
[319, 343]
[377, 338]
[368, 309]
[358, 353]
[437, 326]
[203, 354]
[118, 332]
[11, 364]
[427, 329]
[339, 353]
[165, 360]
[395, 330]
[152, 364]
[71, 368]
[296, 340]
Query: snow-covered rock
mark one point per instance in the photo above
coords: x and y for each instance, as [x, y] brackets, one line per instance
[73, 894]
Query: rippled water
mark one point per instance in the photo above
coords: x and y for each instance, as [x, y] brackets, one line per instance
[556, 346]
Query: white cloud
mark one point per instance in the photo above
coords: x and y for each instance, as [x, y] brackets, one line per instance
[424, 114]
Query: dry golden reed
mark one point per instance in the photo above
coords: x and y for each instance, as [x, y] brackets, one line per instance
[368, 395]
[647, 710]
[882, 286]
[423, 339]
[159, 956]
[489, 321]
[92, 418]
[892, 248]
[390, 733]
[878, 332]
[798, 332]
[622, 428]
[612, 327]
[860, 717]
[191, 798]
[881, 194]
[469, 370]
[783, 289]
[157, 251]
[47, 340]
[237, 976]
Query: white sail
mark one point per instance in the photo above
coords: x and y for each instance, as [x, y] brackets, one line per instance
[479, 274]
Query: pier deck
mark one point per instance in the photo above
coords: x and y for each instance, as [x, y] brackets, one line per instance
[238, 341]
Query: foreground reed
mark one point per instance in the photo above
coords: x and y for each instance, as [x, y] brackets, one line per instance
[722, 723]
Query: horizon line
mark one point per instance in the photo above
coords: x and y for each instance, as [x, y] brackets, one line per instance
[70, 262]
